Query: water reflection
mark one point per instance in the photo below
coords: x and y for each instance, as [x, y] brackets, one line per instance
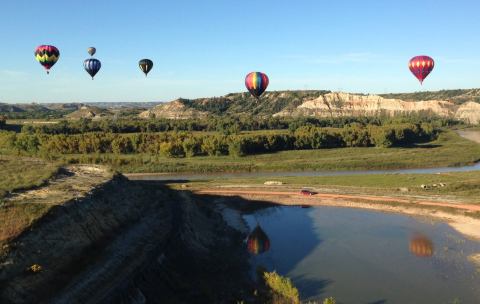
[258, 241]
[363, 256]
[421, 246]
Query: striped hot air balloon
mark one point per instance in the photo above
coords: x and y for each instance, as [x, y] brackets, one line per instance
[421, 66]
[258, 241]
[92, 66]
[256, 83]
[47, 56]
[421, 246]
[145, 65]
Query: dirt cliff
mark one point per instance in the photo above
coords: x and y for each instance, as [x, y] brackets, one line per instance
[126, 242]
[345, 104]
[469, 112]
[460, 104]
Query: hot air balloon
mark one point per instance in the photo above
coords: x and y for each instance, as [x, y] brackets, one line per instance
[92, 66]
[421, 246]
[145, 65]
[47, 55]
[258, 241]
[91, 50]
[421, 66]
[256, 83]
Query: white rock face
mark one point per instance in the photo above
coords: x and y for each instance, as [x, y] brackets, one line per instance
[469, 112]
[345, 104]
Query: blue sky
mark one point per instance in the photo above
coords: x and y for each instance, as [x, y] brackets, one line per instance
[205, 48]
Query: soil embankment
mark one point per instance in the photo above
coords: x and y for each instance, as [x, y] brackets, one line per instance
[124, 242]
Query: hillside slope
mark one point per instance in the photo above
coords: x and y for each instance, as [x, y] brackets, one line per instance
[460, 104]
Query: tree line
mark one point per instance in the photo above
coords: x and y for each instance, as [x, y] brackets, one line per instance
[188, 144]
[226, 125]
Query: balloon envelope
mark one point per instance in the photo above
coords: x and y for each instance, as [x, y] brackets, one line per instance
[92, 66]
[421, 246]
[256, 83]
[258, 241]
[47, 56]
[91, 50]
[145, 65]
[421, 66]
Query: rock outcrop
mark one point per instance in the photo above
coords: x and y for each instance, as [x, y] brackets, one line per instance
[173, 110]
[462, 106]
[345, 104]
[89, 112]
[469, 112]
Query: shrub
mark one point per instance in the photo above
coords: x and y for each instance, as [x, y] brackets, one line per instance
[172, 149]
[281, 289]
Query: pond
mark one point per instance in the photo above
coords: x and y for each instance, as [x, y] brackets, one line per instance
[360, 256]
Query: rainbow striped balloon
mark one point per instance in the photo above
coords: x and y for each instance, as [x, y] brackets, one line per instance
[421, 66]
[256, 83]
[258, 241]
[47, 56]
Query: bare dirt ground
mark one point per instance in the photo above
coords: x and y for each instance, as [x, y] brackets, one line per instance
[471, 135]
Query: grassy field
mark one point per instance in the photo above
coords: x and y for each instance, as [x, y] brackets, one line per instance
[447, 151]
[18, 173]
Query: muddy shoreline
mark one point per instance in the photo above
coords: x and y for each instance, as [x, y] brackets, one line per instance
[457, 217]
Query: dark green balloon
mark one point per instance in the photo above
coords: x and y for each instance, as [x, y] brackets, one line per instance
[145, 65]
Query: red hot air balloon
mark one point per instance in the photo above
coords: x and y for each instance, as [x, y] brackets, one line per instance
[256, 83]
[421, 66]
[258, 241]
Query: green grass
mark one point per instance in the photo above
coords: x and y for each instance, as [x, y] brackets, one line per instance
[448, 150]
[18, 173]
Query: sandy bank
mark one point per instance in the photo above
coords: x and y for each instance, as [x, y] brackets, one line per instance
[455, 214]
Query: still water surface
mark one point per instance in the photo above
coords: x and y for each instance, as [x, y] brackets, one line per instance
[361, 256]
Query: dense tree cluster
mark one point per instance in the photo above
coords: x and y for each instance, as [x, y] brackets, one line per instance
[2, 122]
[190, 144]
[226, 124]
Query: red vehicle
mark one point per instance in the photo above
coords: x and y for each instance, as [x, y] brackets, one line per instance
[306, 192]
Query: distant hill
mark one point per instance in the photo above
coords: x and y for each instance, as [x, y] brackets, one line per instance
[29, 110]
[89, 112]
[456, 96]
[233, 104]
[461, 104]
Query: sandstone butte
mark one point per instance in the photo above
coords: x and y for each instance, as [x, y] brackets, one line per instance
[337, 104]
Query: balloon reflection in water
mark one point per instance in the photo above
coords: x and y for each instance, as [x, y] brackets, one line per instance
[258, 241]
[421, 246]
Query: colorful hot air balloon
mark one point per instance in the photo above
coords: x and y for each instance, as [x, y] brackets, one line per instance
[421, 246]
[91, 50]
[145, 65]
[256, 83]
[47, 56]
[92, 66]
[258, 241]
[421, 66]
